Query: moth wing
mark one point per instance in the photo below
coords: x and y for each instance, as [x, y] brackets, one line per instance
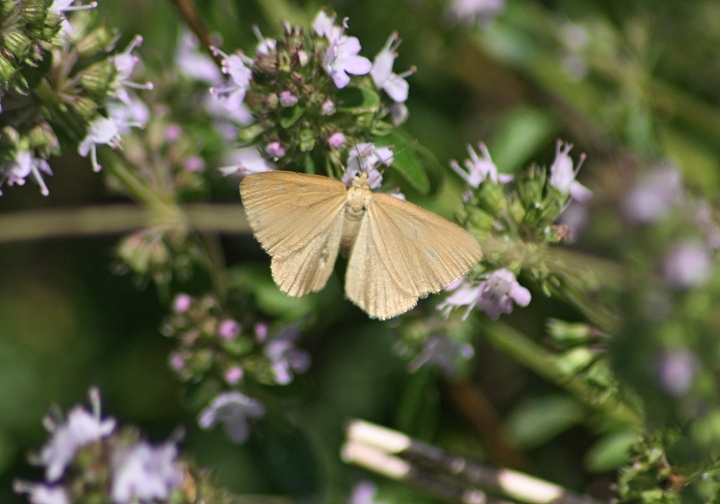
[402, 253]
[298, 219]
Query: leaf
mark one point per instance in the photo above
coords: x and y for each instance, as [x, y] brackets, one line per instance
[524, 132]
[406, 161]
[537, 420]
[610, 452]
[357, 100]
[290, 115]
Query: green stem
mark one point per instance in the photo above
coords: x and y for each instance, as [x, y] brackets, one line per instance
[544, 363]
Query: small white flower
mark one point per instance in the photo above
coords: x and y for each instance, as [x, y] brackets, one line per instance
[15, 171]
[42, 494]
[246, 161]
[394, 85]
[479, 169]
[125, 64]
[562, 174]
[101, 131]
[144, 473]
[233, 92]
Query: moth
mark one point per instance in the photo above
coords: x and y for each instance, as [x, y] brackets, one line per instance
[398, 252]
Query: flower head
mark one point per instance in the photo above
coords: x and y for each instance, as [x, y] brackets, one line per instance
[284, 357]
[365, 158]
[479, 169]
[394, 85]
[233, 409]
[562, 174]
[232, 92]
[15, 171]
[443, 352]
[144, 473]
[341, 57]
[80, 429]
[494, 295]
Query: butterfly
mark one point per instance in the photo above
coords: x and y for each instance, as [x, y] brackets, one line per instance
[398, 252]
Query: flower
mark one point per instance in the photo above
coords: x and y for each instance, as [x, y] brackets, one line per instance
[232, 92]
[394, 85]
[246, 161]
[284, 357]
[494, 295]
[233, 409]
[677, 370]
[60, 7]
[193, 63]
[125, 64]
[443, 352]
[654, 194]
[181, 303]
[336, 140]
[288, 99]
[479, 169]
[562, 174]
[233, 375]
[101, 131]
[275, 149]
[365, 157]
[15, 171]
[341, 56]
[229, 329]
[364, 493]
[687, 265]
[144, 473]
[81, 428]
[265, 46]
[398, 112]
[42, 494]
[481, 12]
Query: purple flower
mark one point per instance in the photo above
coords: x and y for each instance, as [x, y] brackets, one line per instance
[144, 473]
[265, 46]
[341, 57]
[125, 64]
[193, 63]
[181, 303]
[479, 169]
[229, 329]
[42, 494]
[233, 375]
[443, 352]
[246, 161]
[101, 131]
[336, 140]
[324, 26]
[687, 265]
[275, 149]
[15, 171]
[677, 370]
[232, 92]
[364, 493]
[194, 164]
[481, 12]
[364, 158]
[177, 361]
[655, 194]
[562, 174]
[394, 85]
[398, 112]
[288, 99]
[233, 409]
[284, 357]
[494, 295]
[80, 429]
[328, 107]
[261, 331]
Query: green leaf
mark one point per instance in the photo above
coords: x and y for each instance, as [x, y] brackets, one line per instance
[524, 132]
[610, 452]
[357, 100]
[290, 115]
[269, 298]
[537, 420]
[406, 161]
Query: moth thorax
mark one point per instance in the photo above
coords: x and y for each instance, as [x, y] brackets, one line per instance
[357, 200]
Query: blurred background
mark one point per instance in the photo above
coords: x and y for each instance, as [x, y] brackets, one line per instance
[629, 83]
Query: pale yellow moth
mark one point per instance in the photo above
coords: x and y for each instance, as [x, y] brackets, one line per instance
[398, 252]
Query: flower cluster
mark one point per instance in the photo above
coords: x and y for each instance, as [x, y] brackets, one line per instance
[133, 469]
[312, 96]
[59, 70]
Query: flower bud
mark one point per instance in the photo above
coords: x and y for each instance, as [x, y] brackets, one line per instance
[98, 77]
[17, 42]
[99, 41]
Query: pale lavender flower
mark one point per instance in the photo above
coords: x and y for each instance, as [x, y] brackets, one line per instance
[687, 265]
[131, 114]
[192, 62]
[101, 131]
[144, 473]
[233, 409]
[42, 494]
[194, 164]
[677, 370]
[60, 7]
[288, 99]
[284, 357]
[328, 107]
[229, 329]
[265, 46]
[655, 194]
[275, 149]
[181, 303]
[261, 332]
[562, 174]
[226, 121]
[341, 57]
[125, 64]
[463, 294]
[324, 26]
[498, 293]
[177, 361]
[80, 429]
[232, 92]
[399, 113]
[336, 140]
[479, 168]
[15, 171]
[481, 12]
[233, 375]
[394, 85]
[364, 493]
[444, 352]
[365, 157]
[246, 161]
